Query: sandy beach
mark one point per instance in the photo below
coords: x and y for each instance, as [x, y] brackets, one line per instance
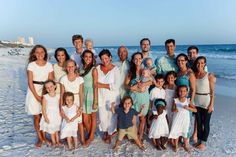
[17, 134]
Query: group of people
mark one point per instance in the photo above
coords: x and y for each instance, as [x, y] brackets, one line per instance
[146, 94]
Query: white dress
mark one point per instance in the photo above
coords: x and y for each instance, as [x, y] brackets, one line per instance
[73, 86]
[53, 113]
[58, 73]
[181, 120]
[108, 120]
[69, 129]
[40, 73]
[159, 127]
[156, 93]
[170, 93]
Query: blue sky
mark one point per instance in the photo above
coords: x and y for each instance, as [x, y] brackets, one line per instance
[116, 22]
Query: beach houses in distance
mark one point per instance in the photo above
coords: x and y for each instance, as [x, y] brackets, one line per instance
[20, 43]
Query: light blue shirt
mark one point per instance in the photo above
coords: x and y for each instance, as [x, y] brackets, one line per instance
[166, 64]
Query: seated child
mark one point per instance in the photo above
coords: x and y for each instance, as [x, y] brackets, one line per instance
[125, 115]
[159, 130]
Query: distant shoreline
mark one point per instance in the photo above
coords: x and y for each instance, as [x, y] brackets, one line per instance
[12, 45]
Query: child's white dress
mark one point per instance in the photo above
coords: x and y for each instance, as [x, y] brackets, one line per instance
[73, 86]
[159, 127]
[40, 74]
[156, 93]
[181, 120]
[71, 128]
[53, 113]
[58, 73]
[170, 93]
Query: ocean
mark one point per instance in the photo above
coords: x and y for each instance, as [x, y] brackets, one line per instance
[221, 60]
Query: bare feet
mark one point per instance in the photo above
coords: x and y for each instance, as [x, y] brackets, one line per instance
[163, 147]
[186, 148]
[108, 140]
[39, 144]
[158, 147]
[142, 148]
[87, 142]
[104, 136]
[201, 146]
[175, 149]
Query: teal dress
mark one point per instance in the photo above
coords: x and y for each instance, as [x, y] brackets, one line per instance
[88, 93]
[139, 98]
[184, 80]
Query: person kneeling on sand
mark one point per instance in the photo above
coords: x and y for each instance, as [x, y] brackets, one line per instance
[125, 115]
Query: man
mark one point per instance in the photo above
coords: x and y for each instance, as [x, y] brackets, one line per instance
[123, 65]
[77, 41]
[167, 63]
[192, 56]
[145, 44]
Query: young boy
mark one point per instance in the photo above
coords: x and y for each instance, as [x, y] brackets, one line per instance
[156, 93]
[77, 41]
[125, 115]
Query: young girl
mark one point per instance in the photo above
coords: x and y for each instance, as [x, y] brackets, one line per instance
[75, 84]
[38, 71]
[70, 121]
[125, 115]
[170, 89]
[181, 119]
[61, 56]
[90, 75]
[159, 130]
[51, 120]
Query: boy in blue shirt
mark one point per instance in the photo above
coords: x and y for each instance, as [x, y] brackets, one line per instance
[125, 115]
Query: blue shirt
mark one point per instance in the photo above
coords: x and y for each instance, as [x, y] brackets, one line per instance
[125, 119]
[166, 64]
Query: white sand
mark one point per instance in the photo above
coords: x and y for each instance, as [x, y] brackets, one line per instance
[17, 134]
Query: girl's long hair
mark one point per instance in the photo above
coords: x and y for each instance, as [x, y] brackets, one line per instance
[44, 86]
[133, 68]
[194, 67]
[32, 56]
[90, 66]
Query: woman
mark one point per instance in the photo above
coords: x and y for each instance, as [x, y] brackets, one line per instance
[108, 93]
[136, 91]
[90, 75]
[185, 76]
[61, 57]
[204, 100]
[71, 82]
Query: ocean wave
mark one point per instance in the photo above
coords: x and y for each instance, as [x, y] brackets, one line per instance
[232, 77]
[225, 49]
[219, 56]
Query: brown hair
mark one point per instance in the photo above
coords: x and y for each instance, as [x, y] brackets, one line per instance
[32, 56]
[126, 98]
[65, 95]
[44, 86]
[66, 63]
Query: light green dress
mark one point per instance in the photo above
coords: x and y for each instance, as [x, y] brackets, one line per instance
[140, 98]
[88, 93]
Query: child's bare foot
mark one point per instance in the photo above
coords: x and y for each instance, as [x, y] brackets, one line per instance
[163, 147]
[158, 147]
[104, 136]
[39, 144]
[196, 144]
[201, 146]
[87, 142]
[142, 148]
[116, 147]
[186, 148]
[175, 149]
[108, 140]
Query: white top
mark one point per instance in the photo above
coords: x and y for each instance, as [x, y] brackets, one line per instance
[40, 73]
[72, 86]
[77, 58]
[124, 68]
[58, 72]
[156, 93]
[113, 79]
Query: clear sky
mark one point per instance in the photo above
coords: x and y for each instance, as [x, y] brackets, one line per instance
[116, 22]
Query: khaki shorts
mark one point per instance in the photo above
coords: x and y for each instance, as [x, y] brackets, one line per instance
[130, 132]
